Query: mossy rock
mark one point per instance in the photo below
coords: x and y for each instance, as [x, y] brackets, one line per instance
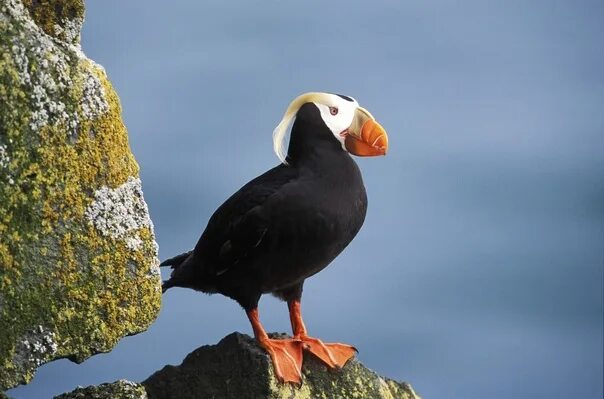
[61, 19]
[122, 389]
[78, 258]
[237, 368]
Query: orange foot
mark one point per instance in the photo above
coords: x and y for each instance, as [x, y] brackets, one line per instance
[286, 355]
[333, 355]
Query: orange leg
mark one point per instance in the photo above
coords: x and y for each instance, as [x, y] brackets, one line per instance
[286, 354]
[333, 355]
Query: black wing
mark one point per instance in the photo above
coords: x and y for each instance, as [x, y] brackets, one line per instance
[239, 225]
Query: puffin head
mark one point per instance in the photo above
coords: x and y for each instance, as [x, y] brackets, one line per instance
[352, 125]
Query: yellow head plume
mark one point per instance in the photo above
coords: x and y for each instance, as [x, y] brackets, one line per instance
[281, 130]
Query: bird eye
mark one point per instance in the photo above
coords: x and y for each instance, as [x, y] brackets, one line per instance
[333, 110]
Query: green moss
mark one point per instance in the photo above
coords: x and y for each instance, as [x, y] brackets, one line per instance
[54, 15]
[63, 285]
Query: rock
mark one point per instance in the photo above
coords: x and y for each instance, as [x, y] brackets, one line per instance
[238, 368]
[78, 258]
[122, 389]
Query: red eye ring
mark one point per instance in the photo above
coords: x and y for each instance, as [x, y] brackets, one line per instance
[333, 110]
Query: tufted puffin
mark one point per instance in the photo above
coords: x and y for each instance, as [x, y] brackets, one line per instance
[289, 223]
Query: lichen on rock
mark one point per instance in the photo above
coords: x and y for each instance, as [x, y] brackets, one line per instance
[120, 212]
[4, 158]
[75, 274]
[122, 389]
[36, 344]
[60, 19]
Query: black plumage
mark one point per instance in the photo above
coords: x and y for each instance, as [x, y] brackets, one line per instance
[283, 226]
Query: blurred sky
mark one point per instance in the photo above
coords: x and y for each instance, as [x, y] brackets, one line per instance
[479, 271]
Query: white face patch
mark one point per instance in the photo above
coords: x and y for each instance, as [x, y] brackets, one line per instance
[336, 111]
[338, 115]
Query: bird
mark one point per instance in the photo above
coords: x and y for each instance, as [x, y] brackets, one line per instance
[289, 223]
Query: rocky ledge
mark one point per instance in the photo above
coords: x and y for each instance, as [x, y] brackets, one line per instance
[237, 368]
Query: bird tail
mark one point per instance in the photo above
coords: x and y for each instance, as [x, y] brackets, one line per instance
[174, 263]
[176, 260]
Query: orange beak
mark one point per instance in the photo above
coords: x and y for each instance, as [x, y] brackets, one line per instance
[373, 140]
[366, 137]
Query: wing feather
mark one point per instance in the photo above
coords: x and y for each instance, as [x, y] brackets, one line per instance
[239, 225]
